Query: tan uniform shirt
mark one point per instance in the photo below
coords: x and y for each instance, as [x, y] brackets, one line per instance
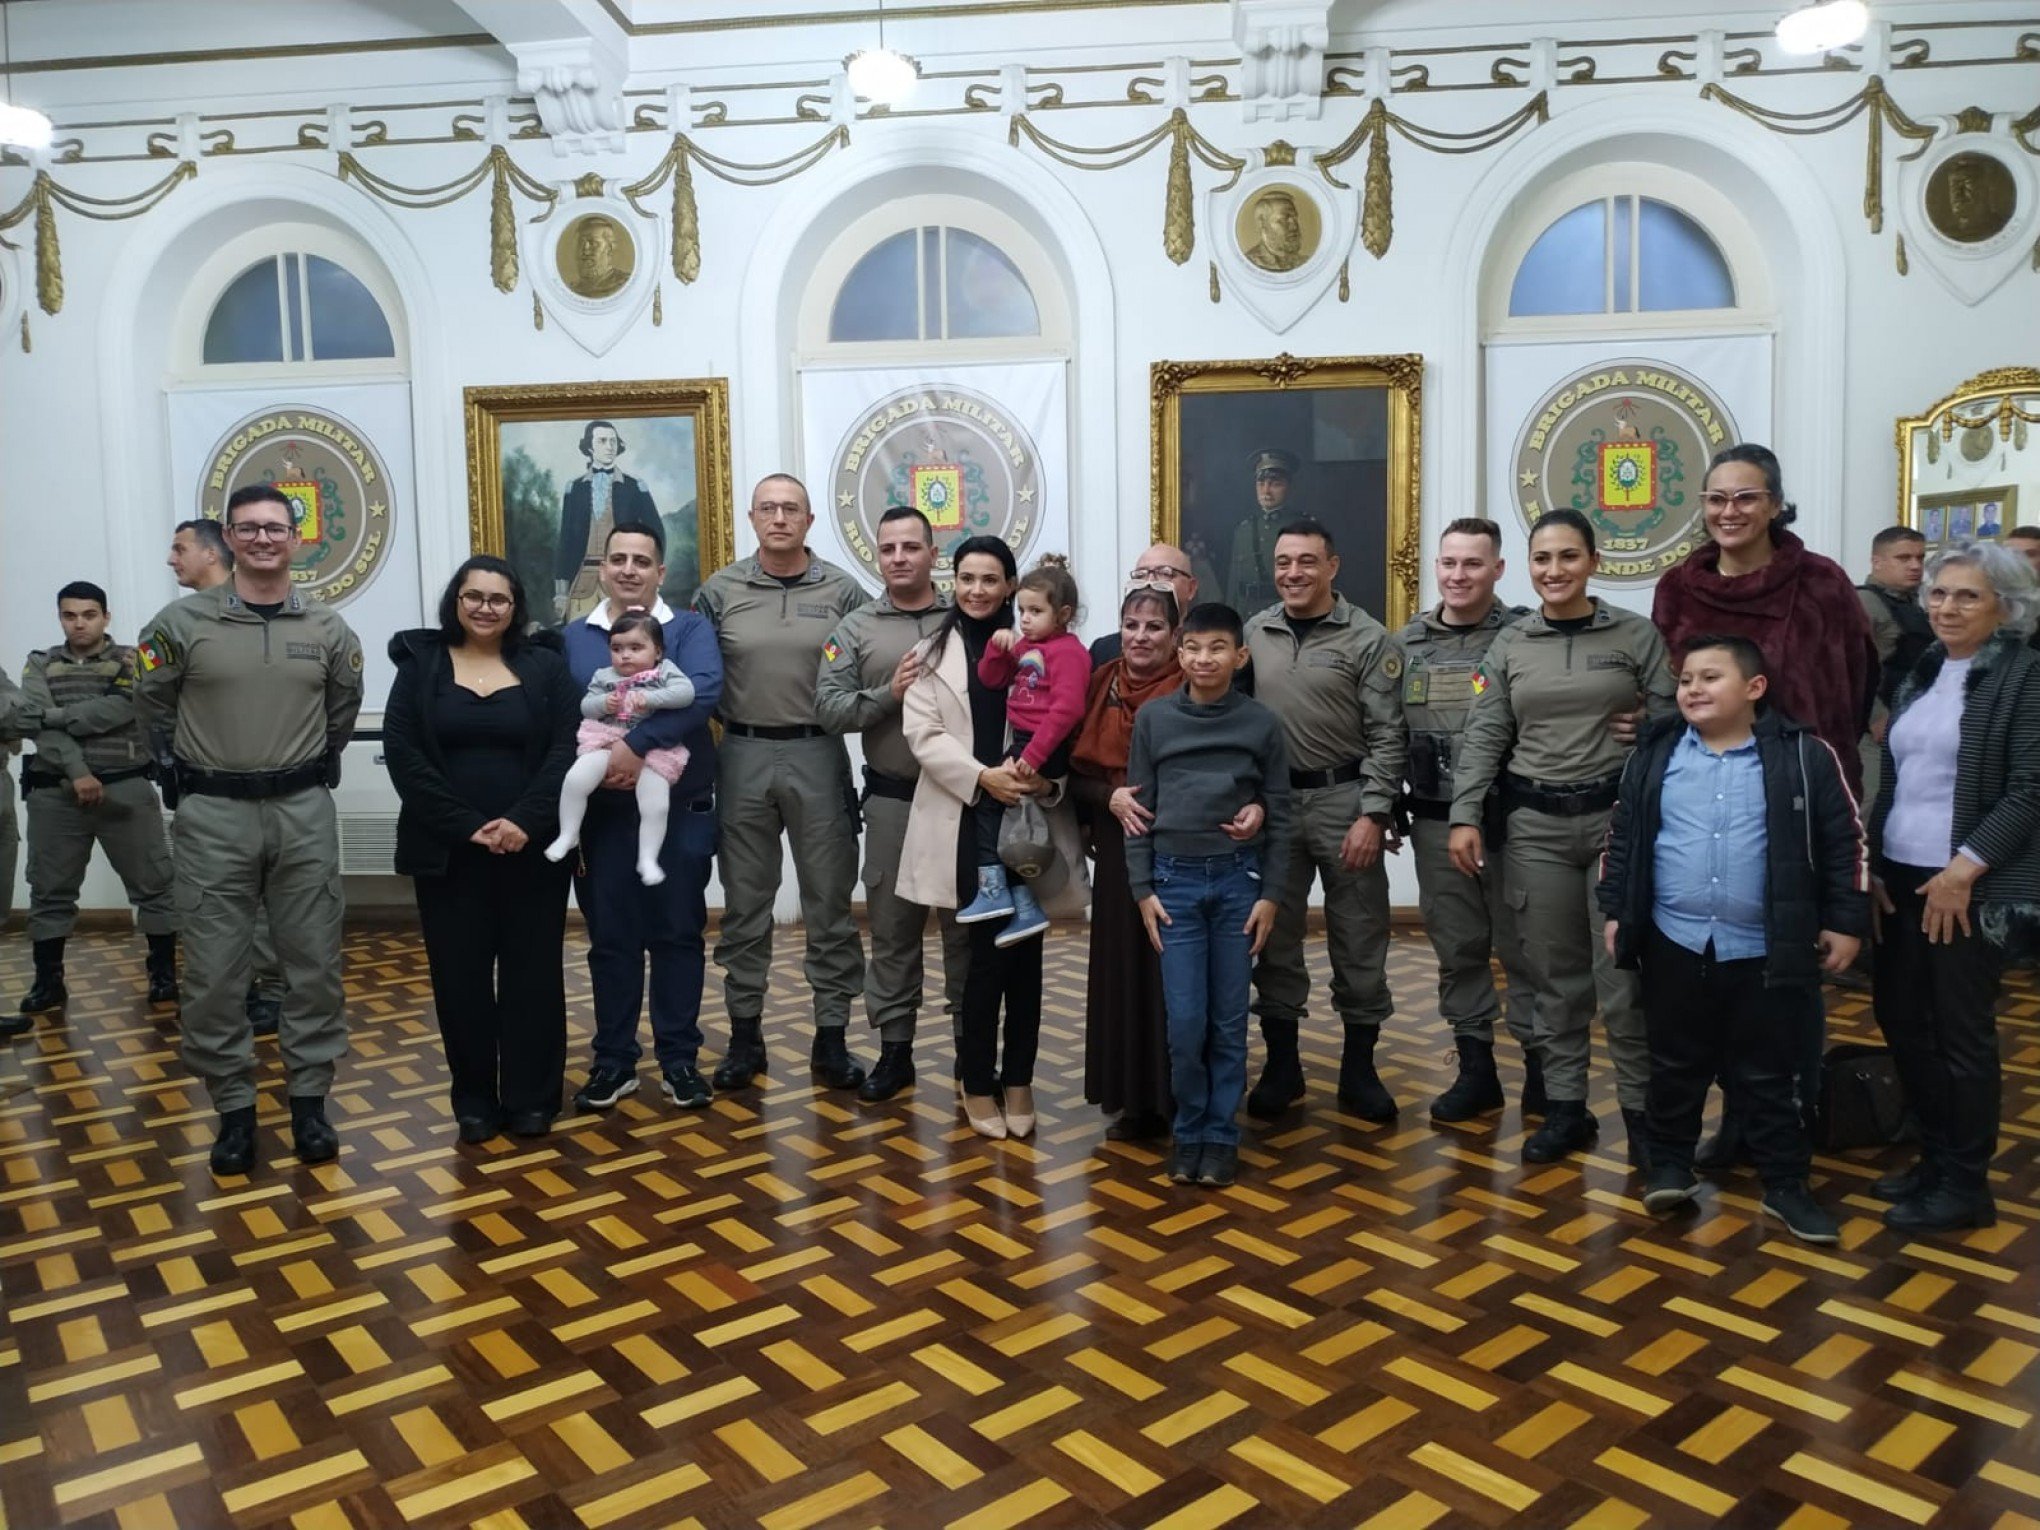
[1338, 694]
[1543, 700]
[1439, 663]
[771, 636]
[234, 691]
[853, 691]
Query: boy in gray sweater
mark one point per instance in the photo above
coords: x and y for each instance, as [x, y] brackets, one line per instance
[1210, 765]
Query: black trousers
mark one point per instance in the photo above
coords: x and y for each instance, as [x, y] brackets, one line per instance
[1008, 979]
[1708, 1019]
[1937, 1007]
[494, 928]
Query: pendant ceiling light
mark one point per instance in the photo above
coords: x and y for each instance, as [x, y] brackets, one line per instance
[21, 127]
[1823, 27]
[882, 75]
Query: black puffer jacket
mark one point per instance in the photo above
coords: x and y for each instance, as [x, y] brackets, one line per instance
[433, 818]
[1815, 876]
[1997, 780]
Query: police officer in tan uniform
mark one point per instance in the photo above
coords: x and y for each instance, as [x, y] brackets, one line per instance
[783, 774]
[88, 784]
[200, 559]
[17, 720]
[867, 666]
[1548, 691]
[1333, 676]
[257, 689]
[1466, 918]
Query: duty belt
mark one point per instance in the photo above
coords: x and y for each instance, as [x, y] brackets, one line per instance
[1568, 799]
[34, 780]
[776, 735]
[1338, 775]
[1424, 807]
[250, 783]
[878, 784]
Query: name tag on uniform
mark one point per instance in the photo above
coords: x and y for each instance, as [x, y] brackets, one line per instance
[316, 652]
[811, 608]
[1449, 685]
[1324, 661]
[1609, 661]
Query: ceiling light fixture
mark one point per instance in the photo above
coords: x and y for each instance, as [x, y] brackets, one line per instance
[1823, 26]
[21, 127]
[884, 76]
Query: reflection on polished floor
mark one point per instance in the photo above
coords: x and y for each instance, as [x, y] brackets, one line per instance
[792, 1310]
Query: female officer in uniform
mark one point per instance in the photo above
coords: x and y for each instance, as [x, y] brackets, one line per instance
[1540, 717]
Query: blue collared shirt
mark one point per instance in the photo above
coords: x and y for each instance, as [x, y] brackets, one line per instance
[1710, 864]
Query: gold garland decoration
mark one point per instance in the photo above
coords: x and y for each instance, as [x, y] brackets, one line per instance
[1875, 99]
[496, 167]
[43, 199]
[1179, 222]
[676, 163]
[1377, 214]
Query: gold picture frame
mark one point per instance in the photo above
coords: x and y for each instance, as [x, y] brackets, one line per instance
[529, 470]
[1991, 415]
[1352, 427]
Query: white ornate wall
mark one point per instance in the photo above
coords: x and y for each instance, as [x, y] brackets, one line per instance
[82, 427]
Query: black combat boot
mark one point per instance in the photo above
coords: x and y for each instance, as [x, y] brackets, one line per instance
[1534, 1102]
[311, 1133]
[893, 1072]
[1569, 1127]
[1361, 1090]
[233, 1151]
[745, 1059]
[162, 969]
[831, 1060]
[1477, 1090]
[1281, 1083]
[1638, 1128]
[48, 991]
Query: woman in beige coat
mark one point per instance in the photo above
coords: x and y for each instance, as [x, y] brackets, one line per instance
[956, 727]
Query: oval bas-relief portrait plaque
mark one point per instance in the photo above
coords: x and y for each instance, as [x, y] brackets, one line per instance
[596, 256]
[1971, 197]
[1278, 229]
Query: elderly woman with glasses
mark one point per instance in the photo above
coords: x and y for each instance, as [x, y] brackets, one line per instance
[1956, 873]
[478, 733]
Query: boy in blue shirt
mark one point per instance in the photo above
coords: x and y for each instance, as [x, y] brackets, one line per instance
[1734, 877]
[1210, 764]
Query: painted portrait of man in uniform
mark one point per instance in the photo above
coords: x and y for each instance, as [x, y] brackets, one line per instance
[1251, 458]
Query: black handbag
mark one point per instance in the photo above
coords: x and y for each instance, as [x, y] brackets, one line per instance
[1862, 1103]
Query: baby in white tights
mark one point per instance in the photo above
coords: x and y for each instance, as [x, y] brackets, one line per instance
[640, 679]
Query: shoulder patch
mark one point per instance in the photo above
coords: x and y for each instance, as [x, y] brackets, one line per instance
[832, 650]
[1392, 664]
[354, 660]
[155, 652]
[1480, 681]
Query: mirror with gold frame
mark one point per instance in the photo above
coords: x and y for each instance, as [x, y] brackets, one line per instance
[1967, 466]
[1237, 448]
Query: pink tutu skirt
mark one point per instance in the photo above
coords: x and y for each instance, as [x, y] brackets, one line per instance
[595, 733]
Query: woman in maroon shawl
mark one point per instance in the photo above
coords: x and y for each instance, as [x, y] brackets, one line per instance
[1126, 1048]
[1755, 579]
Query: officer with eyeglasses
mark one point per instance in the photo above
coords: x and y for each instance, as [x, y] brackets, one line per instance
[257, 689]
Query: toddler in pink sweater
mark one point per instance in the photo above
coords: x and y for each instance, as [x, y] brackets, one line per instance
[1045, 671]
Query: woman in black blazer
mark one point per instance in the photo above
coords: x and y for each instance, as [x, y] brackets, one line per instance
[478, 733]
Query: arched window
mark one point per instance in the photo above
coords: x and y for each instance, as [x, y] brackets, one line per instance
[933, 271]
[1621, 247]
[294, 297]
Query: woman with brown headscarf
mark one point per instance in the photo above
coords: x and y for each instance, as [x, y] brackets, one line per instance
[1126, 1052]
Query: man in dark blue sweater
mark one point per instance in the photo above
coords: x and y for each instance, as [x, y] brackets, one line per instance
[627, 921]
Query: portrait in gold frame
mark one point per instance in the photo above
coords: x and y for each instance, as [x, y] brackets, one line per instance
[1218, 434]
[531, 454]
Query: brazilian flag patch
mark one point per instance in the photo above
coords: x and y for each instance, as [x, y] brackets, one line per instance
[155, 652]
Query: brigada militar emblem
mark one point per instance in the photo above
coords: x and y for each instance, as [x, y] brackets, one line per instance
[952, 454]
[1626, 444]
[334, 482]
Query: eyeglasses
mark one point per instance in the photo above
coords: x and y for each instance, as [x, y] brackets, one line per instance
[1742, 499]
[778, 510]
[248, 531]
[1161, 573]
[1961, 600]
[486, 600]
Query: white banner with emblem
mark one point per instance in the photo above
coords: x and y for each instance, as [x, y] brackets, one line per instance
[1621, 430]
[978, 449]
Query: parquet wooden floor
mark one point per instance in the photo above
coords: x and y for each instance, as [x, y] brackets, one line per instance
[795, 1311]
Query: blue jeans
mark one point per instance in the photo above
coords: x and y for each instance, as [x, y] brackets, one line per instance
[630, 924]
[1206, 969]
